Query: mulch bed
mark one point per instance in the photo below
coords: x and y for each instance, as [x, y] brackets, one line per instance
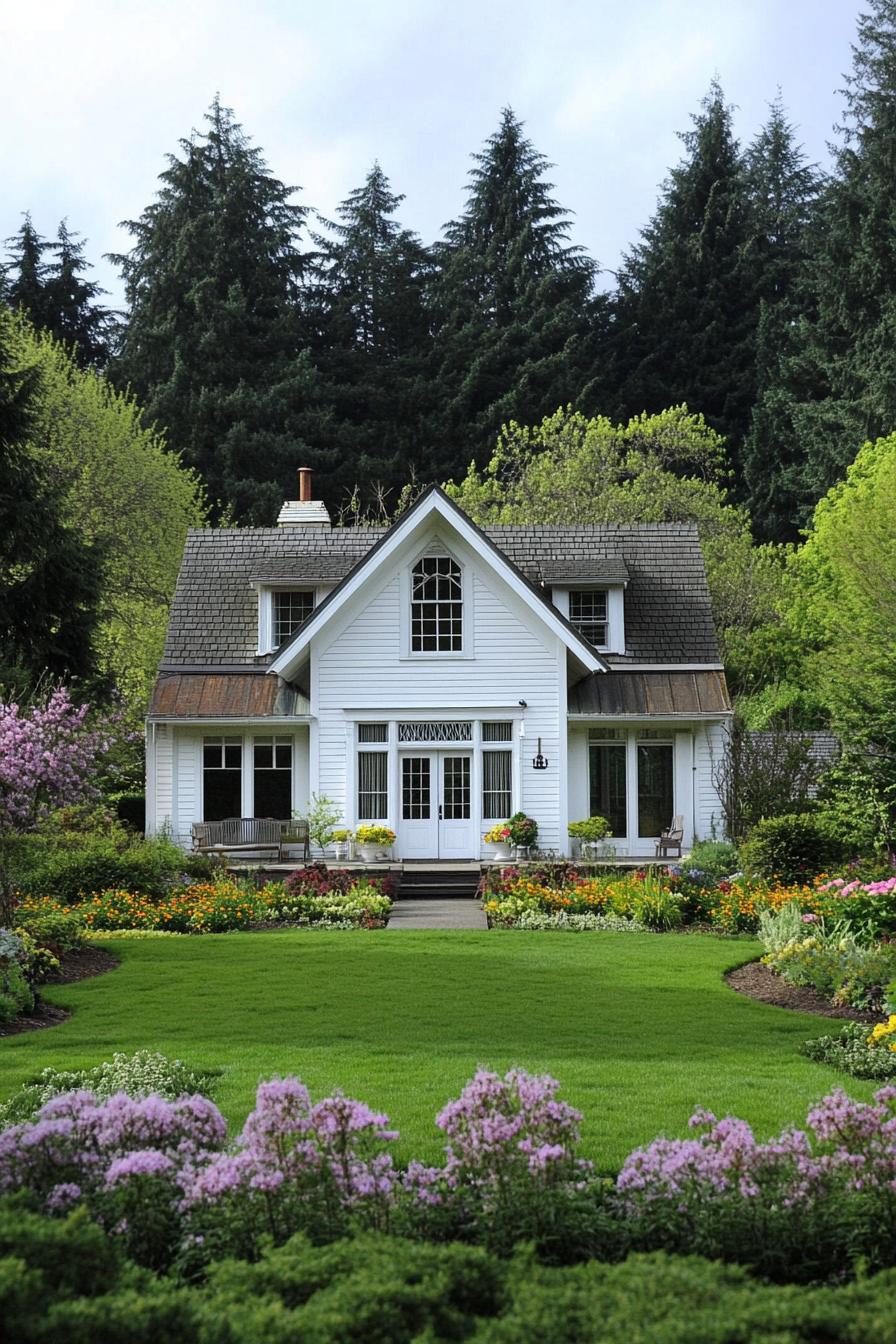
[762, 983]
[78, 965]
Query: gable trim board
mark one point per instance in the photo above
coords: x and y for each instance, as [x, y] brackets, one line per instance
[523, 663]
[434, 501]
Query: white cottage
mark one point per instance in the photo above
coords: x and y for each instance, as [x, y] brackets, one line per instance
[435, 677]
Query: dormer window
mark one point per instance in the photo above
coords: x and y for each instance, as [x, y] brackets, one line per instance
[436, 605]
[291, 608]
[588, 613]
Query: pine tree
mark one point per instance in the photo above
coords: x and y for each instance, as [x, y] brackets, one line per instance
[783, 190]
[214, 342]
[686, 307]
[372, 335]
[512, 303]
[49, 577]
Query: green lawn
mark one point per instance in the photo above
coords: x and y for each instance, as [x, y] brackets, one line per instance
[638, 1028]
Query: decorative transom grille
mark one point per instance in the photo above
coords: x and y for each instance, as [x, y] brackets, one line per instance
[438, 731]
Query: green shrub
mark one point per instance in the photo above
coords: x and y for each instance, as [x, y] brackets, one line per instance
[130, 808]
[101, 863]
[793, 848]
[850, 1052]
[16, 995]
[59, 930]
[838, 966]
[713, 859]
[137, 1075]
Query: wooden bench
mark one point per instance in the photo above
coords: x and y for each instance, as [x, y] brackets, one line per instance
[235, 834]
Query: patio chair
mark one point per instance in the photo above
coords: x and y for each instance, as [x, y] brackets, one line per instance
[671, 838]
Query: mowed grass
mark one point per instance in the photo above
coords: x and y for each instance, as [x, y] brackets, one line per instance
[638, 1028]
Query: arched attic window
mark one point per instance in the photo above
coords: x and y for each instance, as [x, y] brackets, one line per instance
[436, 605]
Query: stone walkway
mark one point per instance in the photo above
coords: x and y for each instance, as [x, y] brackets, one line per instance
[459, 913]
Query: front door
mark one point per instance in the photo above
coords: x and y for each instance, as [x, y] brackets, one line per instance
[435, 808]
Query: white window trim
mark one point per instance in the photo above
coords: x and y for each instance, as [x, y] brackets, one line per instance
[436, 547]
[615, 610]
[266, 607]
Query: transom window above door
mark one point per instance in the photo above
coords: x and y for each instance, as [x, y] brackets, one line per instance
[436, 605]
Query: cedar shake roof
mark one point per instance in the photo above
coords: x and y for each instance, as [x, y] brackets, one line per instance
[214, 621]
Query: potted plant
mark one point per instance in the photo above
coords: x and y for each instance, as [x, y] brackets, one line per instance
[341, 841]
[523, 831]
[322, 816]
[589, 833]
[374, 842]
[499, 836]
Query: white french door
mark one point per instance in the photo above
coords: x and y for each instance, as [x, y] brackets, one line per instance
[436, 806]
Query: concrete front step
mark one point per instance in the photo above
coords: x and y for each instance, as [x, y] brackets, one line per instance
[436, 914]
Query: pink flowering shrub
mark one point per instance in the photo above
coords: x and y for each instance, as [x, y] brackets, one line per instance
[724, 1193]
[126, 1158]
[511, 1168]
[296, 1165]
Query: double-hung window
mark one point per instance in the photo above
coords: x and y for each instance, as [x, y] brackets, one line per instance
[291, 608]
[588, 613]
[436, 605]
[222, 778]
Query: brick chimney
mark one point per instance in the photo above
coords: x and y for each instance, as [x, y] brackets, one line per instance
[304, 511]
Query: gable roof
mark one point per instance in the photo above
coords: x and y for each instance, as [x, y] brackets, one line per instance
[435, 503]
[668, 619]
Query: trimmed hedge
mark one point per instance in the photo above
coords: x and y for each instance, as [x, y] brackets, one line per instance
[63, 1282]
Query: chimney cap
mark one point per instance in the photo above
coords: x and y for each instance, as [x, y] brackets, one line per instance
[304, 484]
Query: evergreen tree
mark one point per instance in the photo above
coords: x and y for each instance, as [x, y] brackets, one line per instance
[55, 295]
[685, 316]
[839, 387]
[372, 334]
[49, 577]
[512, 303]
[28, 273]
[75, 317]
[783, 189]
[213, 346]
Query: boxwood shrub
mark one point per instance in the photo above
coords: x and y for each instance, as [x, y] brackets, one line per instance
[793, 847]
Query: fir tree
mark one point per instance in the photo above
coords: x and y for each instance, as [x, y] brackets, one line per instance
[28, 273]
[842, 382]
[512, 302]
[783, 189]
[75, 317]
[685, 318]
[372, 334]
[55, 295]
[214, 344]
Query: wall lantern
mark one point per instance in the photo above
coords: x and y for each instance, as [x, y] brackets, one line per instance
[539, 762]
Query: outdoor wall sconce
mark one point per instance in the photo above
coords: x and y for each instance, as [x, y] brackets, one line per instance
[539, 762]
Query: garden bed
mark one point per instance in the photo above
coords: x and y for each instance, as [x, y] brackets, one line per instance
[79, 964]
[759, 982]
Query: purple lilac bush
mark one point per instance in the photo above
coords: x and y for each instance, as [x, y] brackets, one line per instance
[48, 758]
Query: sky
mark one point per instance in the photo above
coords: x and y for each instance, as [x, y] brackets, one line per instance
[95, 93]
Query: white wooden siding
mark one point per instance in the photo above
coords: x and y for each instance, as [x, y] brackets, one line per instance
[710, 745]
[360, 665]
